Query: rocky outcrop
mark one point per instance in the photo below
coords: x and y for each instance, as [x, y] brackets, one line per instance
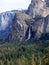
[38, 7]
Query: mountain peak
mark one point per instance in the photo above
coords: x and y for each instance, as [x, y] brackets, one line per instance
[38, 7]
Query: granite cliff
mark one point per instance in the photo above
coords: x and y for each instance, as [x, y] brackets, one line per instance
[38, 7]
[24, 25]
[13, 25]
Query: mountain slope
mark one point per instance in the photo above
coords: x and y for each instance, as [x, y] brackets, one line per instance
[23, 25]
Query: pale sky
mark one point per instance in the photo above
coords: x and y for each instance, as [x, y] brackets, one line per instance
[7, 5]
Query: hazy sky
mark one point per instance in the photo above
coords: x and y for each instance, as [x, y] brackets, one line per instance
[6, 5]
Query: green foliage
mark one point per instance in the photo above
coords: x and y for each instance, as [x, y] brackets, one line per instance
[28, 53]
[38, 18]
[29, 21]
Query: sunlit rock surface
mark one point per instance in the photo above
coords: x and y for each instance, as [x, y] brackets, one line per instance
[38, 7]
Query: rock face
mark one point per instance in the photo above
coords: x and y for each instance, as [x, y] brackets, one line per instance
[38, 29]
[47, 3]
[13, 25]
[41, 26]
[19, 26]
[38, 7]
[5, 20]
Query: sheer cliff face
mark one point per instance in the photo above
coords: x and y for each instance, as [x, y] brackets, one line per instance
[18, 26]
[38, 7]
[40, 27]
[13, 25]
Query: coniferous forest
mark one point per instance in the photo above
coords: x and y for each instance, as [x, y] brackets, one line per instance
[27, 53]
